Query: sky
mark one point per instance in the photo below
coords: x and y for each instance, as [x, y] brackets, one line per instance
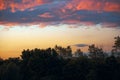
[29, 24]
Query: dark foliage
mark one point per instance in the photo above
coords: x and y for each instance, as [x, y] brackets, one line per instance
[40, 64]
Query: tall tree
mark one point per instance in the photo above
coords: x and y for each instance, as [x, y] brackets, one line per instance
[95, 52]
[64, 52]
[116, 47]
[78, 53]
[69, 51]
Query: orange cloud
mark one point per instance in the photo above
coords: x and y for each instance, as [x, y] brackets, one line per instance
[24, 4]
[2, 5]
[112, 7]
[52, 12]
[93, 5]
[9, 24]
[72, 4]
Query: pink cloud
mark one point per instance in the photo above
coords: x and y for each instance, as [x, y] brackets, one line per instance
[45, 15]
[52, 12]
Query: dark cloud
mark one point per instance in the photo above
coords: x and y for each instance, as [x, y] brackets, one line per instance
[53, 12]
[80, 45]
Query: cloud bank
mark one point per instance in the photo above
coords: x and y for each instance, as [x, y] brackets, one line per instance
[53, 12]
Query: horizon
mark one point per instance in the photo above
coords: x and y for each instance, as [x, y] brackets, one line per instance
[29, 24]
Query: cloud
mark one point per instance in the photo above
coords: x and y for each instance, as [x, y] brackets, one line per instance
[45, 15]
[21, 5]
[53, 12]
[80, 45]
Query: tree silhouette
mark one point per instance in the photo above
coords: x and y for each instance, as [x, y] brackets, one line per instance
[40, 64]
[64, 52]
[69, 51]
[52, 64]
[78, 53]
[116, 47]
[95, 52]
[9, 71]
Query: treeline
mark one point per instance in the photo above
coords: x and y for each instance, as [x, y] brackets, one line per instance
[48, 64]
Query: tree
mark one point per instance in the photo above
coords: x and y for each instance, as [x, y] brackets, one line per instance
[69, 51]
[78, 53]
[39, 64]
[64, 52]
[95, 52]
[116, 47]
[1, 61]
[60, 50]
[9, 71]
[76, 69]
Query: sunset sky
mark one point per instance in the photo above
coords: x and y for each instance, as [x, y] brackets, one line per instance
[29, 24]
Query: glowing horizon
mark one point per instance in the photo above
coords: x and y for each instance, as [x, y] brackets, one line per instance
[29, 24]
[14, 40]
